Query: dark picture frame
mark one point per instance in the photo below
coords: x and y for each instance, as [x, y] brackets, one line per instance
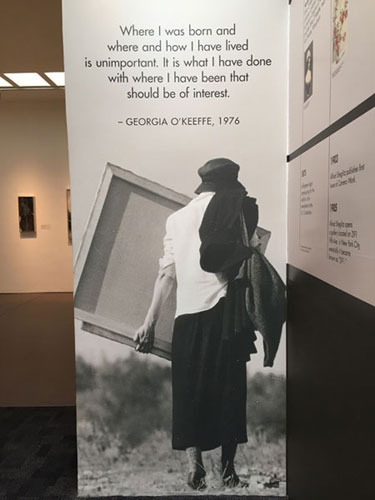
[26, 216]
[308, 71]
[69, 215]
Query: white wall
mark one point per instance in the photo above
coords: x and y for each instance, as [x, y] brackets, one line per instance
[34, 161]
[331, 185]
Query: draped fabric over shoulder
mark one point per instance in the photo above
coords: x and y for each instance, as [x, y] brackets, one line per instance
[256, 293]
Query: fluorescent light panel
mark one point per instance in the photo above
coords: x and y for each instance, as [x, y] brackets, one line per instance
[27, 79]
[4, 83]
[58, 77]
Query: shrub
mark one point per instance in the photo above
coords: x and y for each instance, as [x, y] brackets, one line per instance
[130, 399]
[266, 405]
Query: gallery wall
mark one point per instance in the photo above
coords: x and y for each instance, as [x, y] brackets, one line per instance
[331, 147]
[331, 250]
[34, 162]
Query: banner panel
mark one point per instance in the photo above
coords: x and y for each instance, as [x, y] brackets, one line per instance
[155, 90]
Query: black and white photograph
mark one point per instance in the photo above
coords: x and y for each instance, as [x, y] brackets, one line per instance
[308, 73]
[26, 212]
[179, 243]
[186, 282]
[187, 300]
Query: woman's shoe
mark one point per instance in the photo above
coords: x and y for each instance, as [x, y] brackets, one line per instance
[233, 481]
[196, 480]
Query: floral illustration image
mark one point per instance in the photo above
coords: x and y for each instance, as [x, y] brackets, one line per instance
[340, 22]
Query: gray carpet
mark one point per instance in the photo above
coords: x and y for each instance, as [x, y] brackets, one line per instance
[38, 453]
[38, 456]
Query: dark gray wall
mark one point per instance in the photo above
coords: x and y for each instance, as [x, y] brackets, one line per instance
[331, 388]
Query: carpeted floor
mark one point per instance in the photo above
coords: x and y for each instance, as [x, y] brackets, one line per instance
[38, 453]
[38, 457]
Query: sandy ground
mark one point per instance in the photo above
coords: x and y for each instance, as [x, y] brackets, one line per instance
[154, 469]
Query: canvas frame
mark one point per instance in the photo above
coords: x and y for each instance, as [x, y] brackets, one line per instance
[91, 322]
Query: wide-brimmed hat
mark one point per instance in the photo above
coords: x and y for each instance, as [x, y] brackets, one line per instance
[218, 174]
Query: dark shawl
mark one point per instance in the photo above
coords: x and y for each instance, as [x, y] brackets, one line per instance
[256, 293]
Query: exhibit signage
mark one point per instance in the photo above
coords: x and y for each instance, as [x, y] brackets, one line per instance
[331, 173]
[154, 90]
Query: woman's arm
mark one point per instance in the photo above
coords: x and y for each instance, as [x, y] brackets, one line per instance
[144, 336]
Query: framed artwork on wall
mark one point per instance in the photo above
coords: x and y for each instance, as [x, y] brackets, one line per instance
[340, 28]
[26, 215]
[69, 215]
[308, 80]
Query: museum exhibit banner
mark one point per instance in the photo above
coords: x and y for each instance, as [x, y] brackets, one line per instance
[331, 148]
[154, 91]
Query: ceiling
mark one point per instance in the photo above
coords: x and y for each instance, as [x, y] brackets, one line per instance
[31, 36]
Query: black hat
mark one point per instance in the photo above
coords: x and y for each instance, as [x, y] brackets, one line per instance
[219, 174]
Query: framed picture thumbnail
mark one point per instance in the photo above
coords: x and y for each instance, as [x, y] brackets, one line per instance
[26, 215]
[69, 215]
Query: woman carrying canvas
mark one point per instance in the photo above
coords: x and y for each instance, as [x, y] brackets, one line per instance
[213, 336]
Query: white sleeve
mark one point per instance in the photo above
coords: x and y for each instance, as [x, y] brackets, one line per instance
[168, 258]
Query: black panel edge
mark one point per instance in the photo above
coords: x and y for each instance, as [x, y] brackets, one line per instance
[331, 379]
[349, 117]
[293, 273]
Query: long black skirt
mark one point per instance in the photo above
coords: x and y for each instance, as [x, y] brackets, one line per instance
[209, 382]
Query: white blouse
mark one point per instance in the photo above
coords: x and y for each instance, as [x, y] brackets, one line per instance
[197, 290]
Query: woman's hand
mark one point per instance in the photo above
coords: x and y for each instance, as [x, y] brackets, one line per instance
[144, 337]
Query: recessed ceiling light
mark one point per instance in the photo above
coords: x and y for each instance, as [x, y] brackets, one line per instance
[58, 77]
[4, 83]
[27, 79]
